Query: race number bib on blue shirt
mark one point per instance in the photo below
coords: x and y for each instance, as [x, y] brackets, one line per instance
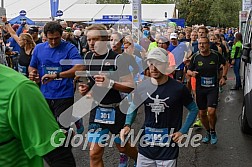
[53, 70]
[105, 115]
[208, 81]
[156, 136]
[22, 69]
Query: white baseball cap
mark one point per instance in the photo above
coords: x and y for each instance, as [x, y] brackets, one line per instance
[158, 54]
[174, 35]
[77, 33]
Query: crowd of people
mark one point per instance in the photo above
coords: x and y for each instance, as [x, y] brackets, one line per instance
[163, 70]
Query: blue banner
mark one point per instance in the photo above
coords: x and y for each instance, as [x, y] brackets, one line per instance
[54, 7]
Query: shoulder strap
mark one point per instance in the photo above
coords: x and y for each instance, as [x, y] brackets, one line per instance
[31, 51]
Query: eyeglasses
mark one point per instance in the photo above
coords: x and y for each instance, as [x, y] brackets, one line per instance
[203, 43]
[173, 39]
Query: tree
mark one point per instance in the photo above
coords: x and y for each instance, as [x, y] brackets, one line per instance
[210, 12]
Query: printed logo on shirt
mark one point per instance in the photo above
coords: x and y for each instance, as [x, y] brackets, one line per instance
[212, 62]
[200, 63]
[158, 106]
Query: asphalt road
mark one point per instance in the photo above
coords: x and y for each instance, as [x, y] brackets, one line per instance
[232, 150]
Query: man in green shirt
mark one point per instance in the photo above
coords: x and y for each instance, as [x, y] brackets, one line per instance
[27, 125]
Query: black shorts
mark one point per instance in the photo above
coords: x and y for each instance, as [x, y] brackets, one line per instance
[58, 106]
[207, 97]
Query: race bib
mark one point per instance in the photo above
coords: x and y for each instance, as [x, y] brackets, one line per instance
[156, 136]
[22, 69]
[53, 70]
[105, 115]
[208, 81]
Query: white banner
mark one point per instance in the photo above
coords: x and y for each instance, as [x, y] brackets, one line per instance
[246, 4]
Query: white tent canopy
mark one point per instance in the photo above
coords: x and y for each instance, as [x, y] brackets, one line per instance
[75, 11]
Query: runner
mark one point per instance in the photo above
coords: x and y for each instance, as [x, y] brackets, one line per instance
[163, 114]
[45, 68]
[27, 125]
[97, 38]
[204, 66]
[116, 42]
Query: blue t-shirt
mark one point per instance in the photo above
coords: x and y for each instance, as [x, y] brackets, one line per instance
[47, 60]
[163, 108]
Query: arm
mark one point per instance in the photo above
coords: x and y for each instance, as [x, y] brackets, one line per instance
[33, 74]
[12, 33]
[192, 73]
[125, 85]
[20, 29]
[225, 70]
[74, 56]
[191, 69]
[131, 114]
[10, 30]
[193, 111]
[65, 74]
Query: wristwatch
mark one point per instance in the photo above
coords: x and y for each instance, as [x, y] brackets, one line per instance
[225, 77]
[111, 83]
[57, 75]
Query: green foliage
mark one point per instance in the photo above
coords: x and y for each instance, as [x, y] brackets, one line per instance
[156, 1]
[224, 13]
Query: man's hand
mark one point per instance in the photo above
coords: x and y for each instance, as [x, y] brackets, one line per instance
[101, 80]
[48, 77]
[222, 82]
[124, 132]
[194, 73]
[83, 89]
[84, 50]
[34, 76]
[177, 137]
[233, 62]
